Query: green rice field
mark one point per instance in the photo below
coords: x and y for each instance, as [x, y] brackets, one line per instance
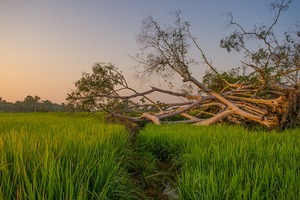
[79, 156]
[54, 156]
[223, 162]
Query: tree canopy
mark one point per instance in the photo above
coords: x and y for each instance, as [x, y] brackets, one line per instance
[264, 90]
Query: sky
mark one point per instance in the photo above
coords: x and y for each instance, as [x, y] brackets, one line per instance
[45, 46]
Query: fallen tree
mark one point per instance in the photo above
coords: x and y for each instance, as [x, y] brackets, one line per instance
[266, 91]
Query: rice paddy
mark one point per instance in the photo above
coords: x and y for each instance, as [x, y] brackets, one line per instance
[50, 156]
[223, 162]
[78, 156]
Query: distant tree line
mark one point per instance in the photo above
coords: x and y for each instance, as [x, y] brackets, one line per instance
[35, 104]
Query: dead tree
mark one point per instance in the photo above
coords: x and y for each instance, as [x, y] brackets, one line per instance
[268, 94]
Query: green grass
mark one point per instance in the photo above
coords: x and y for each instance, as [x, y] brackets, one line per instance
[78, 156]
[55, 156]
[220, 162]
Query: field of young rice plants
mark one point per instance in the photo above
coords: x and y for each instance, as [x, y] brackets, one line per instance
[228, 162]
[59, 156]
[78, 156]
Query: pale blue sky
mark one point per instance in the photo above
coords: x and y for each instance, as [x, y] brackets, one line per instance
[46, 45]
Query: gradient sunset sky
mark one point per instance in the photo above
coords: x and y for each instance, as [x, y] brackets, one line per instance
[46, 45]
